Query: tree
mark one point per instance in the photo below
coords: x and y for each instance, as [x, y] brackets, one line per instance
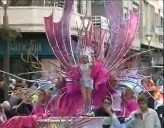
[8, 34]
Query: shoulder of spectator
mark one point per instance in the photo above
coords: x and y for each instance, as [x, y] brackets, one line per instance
[131, 117]
[152, 111]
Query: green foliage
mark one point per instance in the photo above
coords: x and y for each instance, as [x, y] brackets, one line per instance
[9, 34]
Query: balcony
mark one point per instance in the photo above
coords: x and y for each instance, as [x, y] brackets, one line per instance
[100, 22]
[59, 3]
[31, 18]
[32, 3]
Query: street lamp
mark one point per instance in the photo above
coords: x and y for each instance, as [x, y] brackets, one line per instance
[149, 38]
[4, 2]
[6, 48]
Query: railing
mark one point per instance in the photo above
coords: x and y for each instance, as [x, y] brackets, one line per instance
[100, 21]
[37, 14]
[59, 3]
[32, 3]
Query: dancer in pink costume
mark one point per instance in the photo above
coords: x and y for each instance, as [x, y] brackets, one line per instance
[129, 101]
[86, 82]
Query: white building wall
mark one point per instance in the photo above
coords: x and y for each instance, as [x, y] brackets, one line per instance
[31, 18]
[151, 19]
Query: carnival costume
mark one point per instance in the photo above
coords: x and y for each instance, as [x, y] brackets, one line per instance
[108, 76]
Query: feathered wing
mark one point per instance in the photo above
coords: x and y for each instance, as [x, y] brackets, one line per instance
[132, 31]
[120, 43]
[52, 42]
[59, 36]
[124, 39]
[122, 32]
[114, 19]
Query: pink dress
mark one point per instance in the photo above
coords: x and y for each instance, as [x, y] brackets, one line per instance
[130, 106]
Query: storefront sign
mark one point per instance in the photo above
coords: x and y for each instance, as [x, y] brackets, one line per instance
[33, 46]
[37, 45]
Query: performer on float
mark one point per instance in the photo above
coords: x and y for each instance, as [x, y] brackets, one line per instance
[86, 82]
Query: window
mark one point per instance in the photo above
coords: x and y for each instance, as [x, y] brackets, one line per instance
[161, 39]
[156, 19]
[162, 21]
[79, 6]
[48, 2]
[59, 3]
[32, 3]
[21, 3]
[146, 16]
[152, 18]
[125, 12]
[135, 7]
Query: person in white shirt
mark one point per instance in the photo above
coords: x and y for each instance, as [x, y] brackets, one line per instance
[144, 117]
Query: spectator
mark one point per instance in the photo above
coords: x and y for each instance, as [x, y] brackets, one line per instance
[144, 117]
[160, 112]
[2, 95]
[7, 109]
[24, 108]
[6, 105]
[106, 111]
[2, 114]
[129, 101]
[2, 92]
[14, 100]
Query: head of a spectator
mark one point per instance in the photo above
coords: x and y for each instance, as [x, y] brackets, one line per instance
[128, 94]
[107, 102]
[6, 105]
[142, 102]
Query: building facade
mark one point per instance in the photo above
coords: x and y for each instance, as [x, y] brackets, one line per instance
[124, 6]
[28, 16]
[151, 24]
